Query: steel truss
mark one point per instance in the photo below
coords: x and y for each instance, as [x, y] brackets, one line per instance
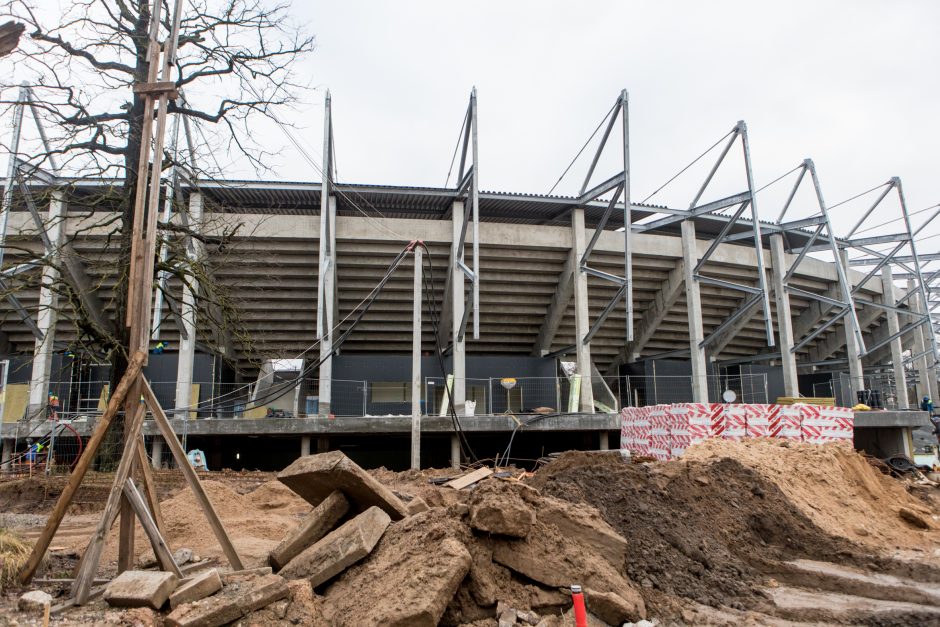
[468, 190]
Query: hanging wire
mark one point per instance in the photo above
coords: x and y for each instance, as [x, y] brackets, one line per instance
[682, 171]
[600, 124]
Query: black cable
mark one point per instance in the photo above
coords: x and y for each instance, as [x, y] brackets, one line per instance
[519, 425]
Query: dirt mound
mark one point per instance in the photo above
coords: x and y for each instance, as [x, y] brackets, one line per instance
[695, 529]
[274, 495]
[834, 486]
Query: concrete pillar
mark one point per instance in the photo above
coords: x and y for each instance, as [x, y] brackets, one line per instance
[582, 321]
[304, 445]
[7, 454]
[458, 305]
[856, 373]
[897, 359]
[323, 444]
[926, 381]
[416, 361]
[693, 303]
[454, 451]
[604, 441]
[778, 261]
[48, 313]
[187, 348]
[156, 452]
[327, 303]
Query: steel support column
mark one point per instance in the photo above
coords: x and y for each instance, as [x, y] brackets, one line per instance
[416, 361]
[852, 348]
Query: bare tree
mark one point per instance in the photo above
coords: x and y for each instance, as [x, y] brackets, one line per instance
[236, 63]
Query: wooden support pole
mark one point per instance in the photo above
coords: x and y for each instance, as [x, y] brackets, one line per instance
[126, 529]
[89, 564]
[150, 488]
[160, 548]
[78, 473]
[191, 478]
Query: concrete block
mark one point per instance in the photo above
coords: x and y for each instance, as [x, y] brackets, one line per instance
[313, 527]
[261, 592]
[314, 477]
[34, 601]
[234, 602]
[211, 612]
[417, 505]
[198, 587]
[612, 608]
[140, 588]
[339, 549]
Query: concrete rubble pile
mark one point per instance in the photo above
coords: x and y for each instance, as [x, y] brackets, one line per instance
[496, 551]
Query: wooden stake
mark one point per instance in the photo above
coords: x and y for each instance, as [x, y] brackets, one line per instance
[160, 549]
[90, 559]
[126, 532]
[78, 473]
[191, 478]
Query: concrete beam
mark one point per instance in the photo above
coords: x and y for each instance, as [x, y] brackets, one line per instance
[897, 360]
[187, 344]
[47, 316]
[326, 275]
[458, 306]
[564, 291]
[694, 309]
[582, 312]
[784, 319]
[856, 372]
[667, 295]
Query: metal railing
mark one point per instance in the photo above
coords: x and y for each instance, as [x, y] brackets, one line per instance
[878, 391]
[643, 390]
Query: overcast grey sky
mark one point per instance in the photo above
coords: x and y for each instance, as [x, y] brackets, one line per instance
[851, 84]
[854, 85]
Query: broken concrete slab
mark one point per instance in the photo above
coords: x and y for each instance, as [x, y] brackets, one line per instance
[235, 601]
[410, 579]
[209, 612]
[261, 592]
[313, 527]
[584, 522]
[315, 477]
[34, 601]
[140, 588]
[198, 587]
[339, 549]
[495, 507]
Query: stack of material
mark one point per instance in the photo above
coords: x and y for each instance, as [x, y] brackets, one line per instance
[819, 401]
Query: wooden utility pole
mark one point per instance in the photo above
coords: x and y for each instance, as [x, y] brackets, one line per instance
[133, 390]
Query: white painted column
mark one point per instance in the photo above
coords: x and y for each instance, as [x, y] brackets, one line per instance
[416, 362]
[604, 441]
[856, 372]
[582, 321]
[889, 298]
[188, 307]
[156, 452]
[48, 313]
[327, 275]
[458, 305]
[304, 445]
[778, 261]
[693, 302]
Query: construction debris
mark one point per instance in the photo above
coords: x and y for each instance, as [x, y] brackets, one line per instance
[315, 477]
[140, 588]
[339, 549]
[199, 587]
[34, 601]
[469, 479]
[316, 525]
